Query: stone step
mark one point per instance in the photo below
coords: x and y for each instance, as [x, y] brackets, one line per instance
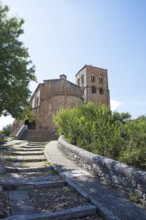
[13, 179]
[25, 185]
[28, 153]
[72, 213]
[35, 144]
[39, 135]
[26, 160]
[29, 164]
[23, 169]
[31, 146]
[28, 149]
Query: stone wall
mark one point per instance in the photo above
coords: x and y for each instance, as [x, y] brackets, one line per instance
[45, 112]
[107, 170]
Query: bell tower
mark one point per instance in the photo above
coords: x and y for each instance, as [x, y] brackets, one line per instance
[94, 83]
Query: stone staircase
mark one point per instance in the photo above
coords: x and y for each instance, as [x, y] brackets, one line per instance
[39, 135]
[30, 188]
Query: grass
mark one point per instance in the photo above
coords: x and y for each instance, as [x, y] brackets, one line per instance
[134, 197]
[54, 172]
[88, 200]
[43, 146]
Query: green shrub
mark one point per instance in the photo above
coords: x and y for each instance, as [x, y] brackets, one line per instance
[135, 137]
[96, 129]
[134, 197]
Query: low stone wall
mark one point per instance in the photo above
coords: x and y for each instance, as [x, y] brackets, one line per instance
[107, 170]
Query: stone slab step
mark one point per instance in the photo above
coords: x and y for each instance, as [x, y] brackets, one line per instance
[28, 149]
[23, 185]
[27, 153]
[20, 169]
[20, 203]
[30, 143]
[39, 135]
[26, 160]
[31, 146]
[36, 144]
[71, 213]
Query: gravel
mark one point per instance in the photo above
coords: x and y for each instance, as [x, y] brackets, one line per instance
[56, 198]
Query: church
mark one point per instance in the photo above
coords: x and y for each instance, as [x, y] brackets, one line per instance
[51, 95]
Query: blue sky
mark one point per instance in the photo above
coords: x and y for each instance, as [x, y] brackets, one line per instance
[64, 35]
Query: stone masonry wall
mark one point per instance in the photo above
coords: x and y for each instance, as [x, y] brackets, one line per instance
[107, 170]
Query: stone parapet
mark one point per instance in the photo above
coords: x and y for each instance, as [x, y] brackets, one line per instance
[109, 171]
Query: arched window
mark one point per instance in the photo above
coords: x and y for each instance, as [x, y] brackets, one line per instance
[78, 82]
[82, 79]
[101, 91]
[93, 89]
[100, 80]
[37, 101]
[93, 78]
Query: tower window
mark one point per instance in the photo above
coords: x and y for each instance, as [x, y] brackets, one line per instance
[78, 82]
[93, 89]
[93, 78]
[37, 101]
[101, 91]
[82, 79]
[100, 80]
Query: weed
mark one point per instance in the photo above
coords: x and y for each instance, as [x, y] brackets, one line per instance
[134, 197]
[43, 146]
[88, 200]
[54, 172]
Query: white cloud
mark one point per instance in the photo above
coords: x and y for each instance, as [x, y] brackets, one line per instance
[5, 121]
[115, 104]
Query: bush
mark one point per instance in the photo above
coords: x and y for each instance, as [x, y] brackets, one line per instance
[91, 128]
[115, 135]
[135, 136]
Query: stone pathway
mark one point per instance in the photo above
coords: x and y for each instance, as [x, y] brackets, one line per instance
[31, 189]
[53, 187]
[110, 202]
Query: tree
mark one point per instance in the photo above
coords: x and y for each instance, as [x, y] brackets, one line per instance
[16, 68]
[121, 117]
[135, 135]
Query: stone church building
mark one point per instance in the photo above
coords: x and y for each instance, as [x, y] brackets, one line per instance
[51, 95]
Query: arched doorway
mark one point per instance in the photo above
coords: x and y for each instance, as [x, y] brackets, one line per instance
[31, 125]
